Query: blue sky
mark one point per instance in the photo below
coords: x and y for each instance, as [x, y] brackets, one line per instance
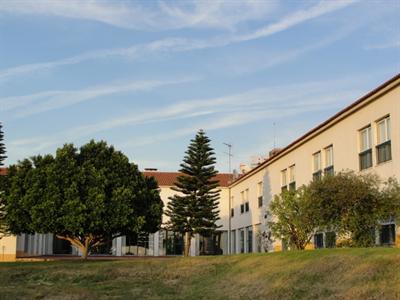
[145, 76]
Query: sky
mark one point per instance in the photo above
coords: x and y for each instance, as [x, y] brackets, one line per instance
[146, 75]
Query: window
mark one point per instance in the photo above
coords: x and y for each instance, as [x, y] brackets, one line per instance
[292, 178]
[244, 207]
[241, 235]
[284, 180]
[260, 193]
[365, 155]
[317, 173]
[249, 231]
[329, 161]
[232, 212]
[319, 240]
[384, 151]
[388, 234]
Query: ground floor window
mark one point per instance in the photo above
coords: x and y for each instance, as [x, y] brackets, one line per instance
[214, 244]
[249, 231]
[388, 234]
[170, 243]
[138, 244]
[319, 240]
[241, 236]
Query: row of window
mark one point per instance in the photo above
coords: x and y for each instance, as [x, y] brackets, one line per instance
[383, 143]
[291, 183]
[245, 204]
[323, 161]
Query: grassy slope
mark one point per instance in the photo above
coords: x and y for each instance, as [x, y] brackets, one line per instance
[324, 274]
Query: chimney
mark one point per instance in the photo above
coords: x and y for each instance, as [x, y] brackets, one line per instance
[274, 152]
[244, 168]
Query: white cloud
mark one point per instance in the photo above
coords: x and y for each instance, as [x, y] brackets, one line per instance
[50, 100]
[169, 44]
[161, 15]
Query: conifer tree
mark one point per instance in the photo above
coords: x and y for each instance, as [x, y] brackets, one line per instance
[3, 228]
[194, 209]
[2, 147]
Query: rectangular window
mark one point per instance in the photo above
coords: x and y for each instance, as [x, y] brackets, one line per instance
[365, 155]
[232, 212]
[292, 178]
[383, 149]
[319, 240]
[260, 193]
[317, 161]
[329, 161]
[284, 180]
[317, 173]
[244, 207]
[241, 232]
[249, 231]
[365, 139]
[232, 207]
[388, 234]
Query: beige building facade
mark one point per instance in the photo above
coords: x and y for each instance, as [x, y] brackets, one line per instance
[363, 137]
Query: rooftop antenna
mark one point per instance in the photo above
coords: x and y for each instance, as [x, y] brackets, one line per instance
[274, 130]
[229, 153]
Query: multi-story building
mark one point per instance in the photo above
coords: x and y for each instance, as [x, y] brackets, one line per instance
[363, 137]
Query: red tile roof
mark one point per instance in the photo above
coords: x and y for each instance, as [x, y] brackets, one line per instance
[3, 171]
[169, 178]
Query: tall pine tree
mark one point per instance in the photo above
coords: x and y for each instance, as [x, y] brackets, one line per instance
[194, 209]
[2, 147]
[3, 228]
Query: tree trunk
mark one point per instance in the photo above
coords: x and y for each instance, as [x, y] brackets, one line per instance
[85, 251]
[187, 244]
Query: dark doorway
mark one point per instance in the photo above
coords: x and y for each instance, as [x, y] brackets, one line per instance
[388, 234]
[319, 240]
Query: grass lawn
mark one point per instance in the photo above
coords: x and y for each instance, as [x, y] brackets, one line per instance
[321, 274]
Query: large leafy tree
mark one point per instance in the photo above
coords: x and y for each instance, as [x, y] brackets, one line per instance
[295, 217]
[351, 204]
[83, 196]
[194, 209]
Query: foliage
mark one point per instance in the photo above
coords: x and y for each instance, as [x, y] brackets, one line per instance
[3, 225]
[194, 209]
[294, 217]
[81, 196]
[351, 204]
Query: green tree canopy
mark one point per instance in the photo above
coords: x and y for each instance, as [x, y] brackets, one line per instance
[351, 204]
[194, 209]
[295, 217]
[81, 196]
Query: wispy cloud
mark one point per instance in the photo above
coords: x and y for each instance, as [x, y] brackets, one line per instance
[160, 15]
[22, 106]
[168, 44]
[216, 113]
